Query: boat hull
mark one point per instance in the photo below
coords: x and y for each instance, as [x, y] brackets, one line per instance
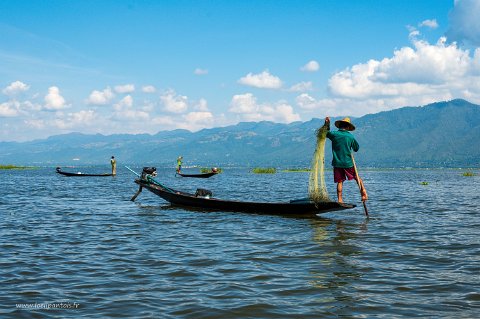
[204, 175]
[295, 207]
[59, 171]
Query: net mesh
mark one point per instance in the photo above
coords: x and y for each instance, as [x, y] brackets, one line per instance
[317, 189]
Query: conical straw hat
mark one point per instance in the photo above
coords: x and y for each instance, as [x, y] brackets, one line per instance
[346, 120]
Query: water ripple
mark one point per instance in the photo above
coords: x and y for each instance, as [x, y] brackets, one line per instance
[82, 242]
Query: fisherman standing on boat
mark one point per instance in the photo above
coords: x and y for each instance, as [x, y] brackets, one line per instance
[179, 163]
[114, 165]
[343, 142]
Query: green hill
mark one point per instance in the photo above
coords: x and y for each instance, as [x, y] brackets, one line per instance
[444, 134]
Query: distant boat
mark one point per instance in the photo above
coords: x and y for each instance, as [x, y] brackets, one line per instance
[59, 171]
[203, 175]
[299, 207]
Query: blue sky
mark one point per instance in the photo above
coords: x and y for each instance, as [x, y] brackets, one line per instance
[144, 66]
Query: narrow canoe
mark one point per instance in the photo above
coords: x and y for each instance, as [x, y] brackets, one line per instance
[59, 171]
[203, 175]
[299, 207]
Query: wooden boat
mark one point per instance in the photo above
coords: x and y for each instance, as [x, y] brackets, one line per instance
[203, 175]
[300, 207]
[59, 171]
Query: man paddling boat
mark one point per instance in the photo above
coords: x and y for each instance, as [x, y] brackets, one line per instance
[343, 143]
[113, 162]
[179, 163]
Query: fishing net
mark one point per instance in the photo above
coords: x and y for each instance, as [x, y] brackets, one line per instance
[316, 186]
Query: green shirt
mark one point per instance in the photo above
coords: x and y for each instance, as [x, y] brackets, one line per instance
[343, 142]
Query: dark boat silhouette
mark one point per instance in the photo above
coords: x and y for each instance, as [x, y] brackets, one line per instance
[59, 171]
[299, 207]
[202, 175]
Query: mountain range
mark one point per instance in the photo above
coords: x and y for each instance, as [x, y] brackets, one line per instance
[443, 134]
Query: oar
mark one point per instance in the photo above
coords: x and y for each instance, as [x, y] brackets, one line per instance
[151, 180]
[139, 189]
[359, 186]
[131, 170]
[136, 194]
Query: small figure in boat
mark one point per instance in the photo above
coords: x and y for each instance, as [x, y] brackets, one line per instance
[113, 162]
[343, 142]
[179, 164]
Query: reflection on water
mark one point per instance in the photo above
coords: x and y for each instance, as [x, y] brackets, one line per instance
[83, 241]
[335, 272]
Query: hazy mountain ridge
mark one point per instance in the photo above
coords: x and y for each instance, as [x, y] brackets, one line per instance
[445, 134]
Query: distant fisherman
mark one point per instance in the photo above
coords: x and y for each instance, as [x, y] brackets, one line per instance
[343, 142]
[114, 165]
[179, 163]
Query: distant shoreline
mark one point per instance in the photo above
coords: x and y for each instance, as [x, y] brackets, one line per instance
[16, 167]
[279, 168]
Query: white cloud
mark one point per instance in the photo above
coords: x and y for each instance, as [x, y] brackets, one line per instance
[302, 87]
[126, 102]
[79, 119]
[326, 106]
[417, 75]
[9, 109]
[13, 108]
[262, 80]
[190, 121]
[173, 102]
[413, 33]
[124, 110]
[15, 88]
[83, 117]
[246, 106]
[306, 102]
[54, 100]
[31, 106]
[202, 105]
[243, 103]
[465, 22]
[199, 71]
[432, 24]
[312, 66]
[136, 115]
[409, 71]
[127, 88]
[100, 97]
[35, 123]
[164, 121]
[148, 106]
[283, 112]
[199, 117]
[149, 89]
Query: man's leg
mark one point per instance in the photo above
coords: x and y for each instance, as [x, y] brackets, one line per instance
[339, 192]
[363, 191]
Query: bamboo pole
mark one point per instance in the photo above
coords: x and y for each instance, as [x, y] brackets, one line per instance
[359, 186]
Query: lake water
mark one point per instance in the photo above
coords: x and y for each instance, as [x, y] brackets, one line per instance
[82, 248]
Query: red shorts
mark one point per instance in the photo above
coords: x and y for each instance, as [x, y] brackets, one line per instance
[341, 174]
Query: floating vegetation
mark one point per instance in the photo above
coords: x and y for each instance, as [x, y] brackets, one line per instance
[267, 170]
[295, 170]
[424, 183]
[468, 174]
[15, 167]
[208, 170]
